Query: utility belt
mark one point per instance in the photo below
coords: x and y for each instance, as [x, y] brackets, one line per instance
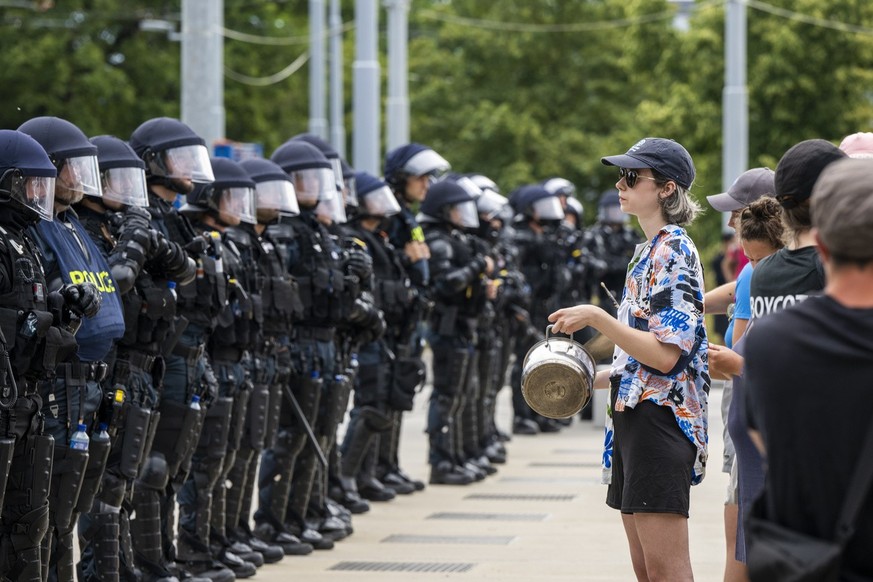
[322, 334]
[191, 354]
[227, 354]
[139, 360]
[87, 371]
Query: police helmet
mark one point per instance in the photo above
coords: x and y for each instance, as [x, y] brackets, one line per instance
[560, 187]
[575, 208]
[174, 155]
[484, 182]
[309, 169]
[122, 172]
[274, 192]
[534, 201]
[448, 201]
[609, 208]
[413, 159]
[336, 164]
[375, 196]
[27, 176]
[230, 198]
[71, 153]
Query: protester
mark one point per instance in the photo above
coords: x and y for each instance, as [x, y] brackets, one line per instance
[802, 355]
[656, 440]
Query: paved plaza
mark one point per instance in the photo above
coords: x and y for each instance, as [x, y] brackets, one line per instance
[541, 517]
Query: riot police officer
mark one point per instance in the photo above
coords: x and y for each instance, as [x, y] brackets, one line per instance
[456, 274]
[176, 160]
[315, 262]
[226, 202]
[119, 225]
[614, 240]
[70, 257]
[35, 337]
[542, 259]
[269, 365]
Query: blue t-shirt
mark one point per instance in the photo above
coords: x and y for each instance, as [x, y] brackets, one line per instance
[742, 302]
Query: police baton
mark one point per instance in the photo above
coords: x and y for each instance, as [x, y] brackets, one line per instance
[298, 412]
[8, 387]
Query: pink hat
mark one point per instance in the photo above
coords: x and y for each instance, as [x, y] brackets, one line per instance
[858, 145]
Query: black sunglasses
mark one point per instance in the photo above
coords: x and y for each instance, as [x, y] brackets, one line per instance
[631, 177]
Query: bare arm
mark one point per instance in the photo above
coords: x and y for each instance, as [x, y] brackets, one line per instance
[643, 346]
[740, 326]
[716, 301]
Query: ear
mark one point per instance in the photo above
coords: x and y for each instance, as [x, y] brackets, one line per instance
[669, 189]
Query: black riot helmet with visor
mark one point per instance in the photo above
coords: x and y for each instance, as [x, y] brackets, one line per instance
[336, 164]
[534, 201]
[74, 157]
[274, 193]
[375, 196]
[411, 160]
[309, 170]
[448, 202]
[560, 187]
[175, 156]
[27, 176]
[609, 209]
[122, 172]
[230, 198]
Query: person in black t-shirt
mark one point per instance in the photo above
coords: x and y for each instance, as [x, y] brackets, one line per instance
[808, 371]
[794, 272]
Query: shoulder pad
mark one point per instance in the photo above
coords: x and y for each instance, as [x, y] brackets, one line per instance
[440, 248]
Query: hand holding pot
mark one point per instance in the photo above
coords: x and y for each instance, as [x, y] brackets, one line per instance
[571, 319]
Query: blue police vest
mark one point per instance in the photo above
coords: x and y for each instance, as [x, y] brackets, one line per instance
[96, 334]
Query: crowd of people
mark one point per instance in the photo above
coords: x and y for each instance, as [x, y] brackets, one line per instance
[186, 333]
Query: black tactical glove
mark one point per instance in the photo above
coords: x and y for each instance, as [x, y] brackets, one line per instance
[198, 246]
[360, 264]
[82, 299]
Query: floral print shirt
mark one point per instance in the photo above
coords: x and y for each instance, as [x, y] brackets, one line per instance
[664, 291]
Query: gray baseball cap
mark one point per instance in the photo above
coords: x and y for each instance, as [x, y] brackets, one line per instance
[748, 187]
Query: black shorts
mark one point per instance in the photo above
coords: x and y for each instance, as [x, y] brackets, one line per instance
[652, 461]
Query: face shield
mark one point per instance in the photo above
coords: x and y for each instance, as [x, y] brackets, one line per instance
[381, 202]
[331, 211]
[427, 162]
[80, 175]
[337, 167]
[464, 215]
[126, 186]
[36, 193]
[313, 185]
[189, 162]
[350, 192]
[612, 214]
[278, 195]
[237, 203]
[490, 204]
[548, 209]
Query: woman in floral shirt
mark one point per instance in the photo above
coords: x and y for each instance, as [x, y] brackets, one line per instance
[656, 427]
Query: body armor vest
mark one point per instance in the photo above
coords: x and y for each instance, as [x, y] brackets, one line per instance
[79, 260]
[318, 273]
[238, 324]
[458, 313]
[35, 346]
[279, 292]
[392, 288]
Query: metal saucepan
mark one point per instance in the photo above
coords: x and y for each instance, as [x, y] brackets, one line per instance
[557, 376]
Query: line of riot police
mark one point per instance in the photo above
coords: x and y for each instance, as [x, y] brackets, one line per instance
[203, 355]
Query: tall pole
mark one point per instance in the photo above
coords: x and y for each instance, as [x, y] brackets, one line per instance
[203, 68]
[397, 114]
[337, 121]
[735, 98]
[317, 117]
[365, 88]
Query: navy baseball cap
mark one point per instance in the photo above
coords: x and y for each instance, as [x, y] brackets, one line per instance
[665, 156]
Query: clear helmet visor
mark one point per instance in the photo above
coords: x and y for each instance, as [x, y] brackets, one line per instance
[350, 192]
[490, 204]
[548, 209]
[612, 214]
[81, 175]
[238, 203]
[427, 162]
[126, 186]
[469, 187]
[313, 185]
[380, 202]
[464, 214]
[332, 211]
[277, 195]
[36, 193]
[337, 167]
[189, 162]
